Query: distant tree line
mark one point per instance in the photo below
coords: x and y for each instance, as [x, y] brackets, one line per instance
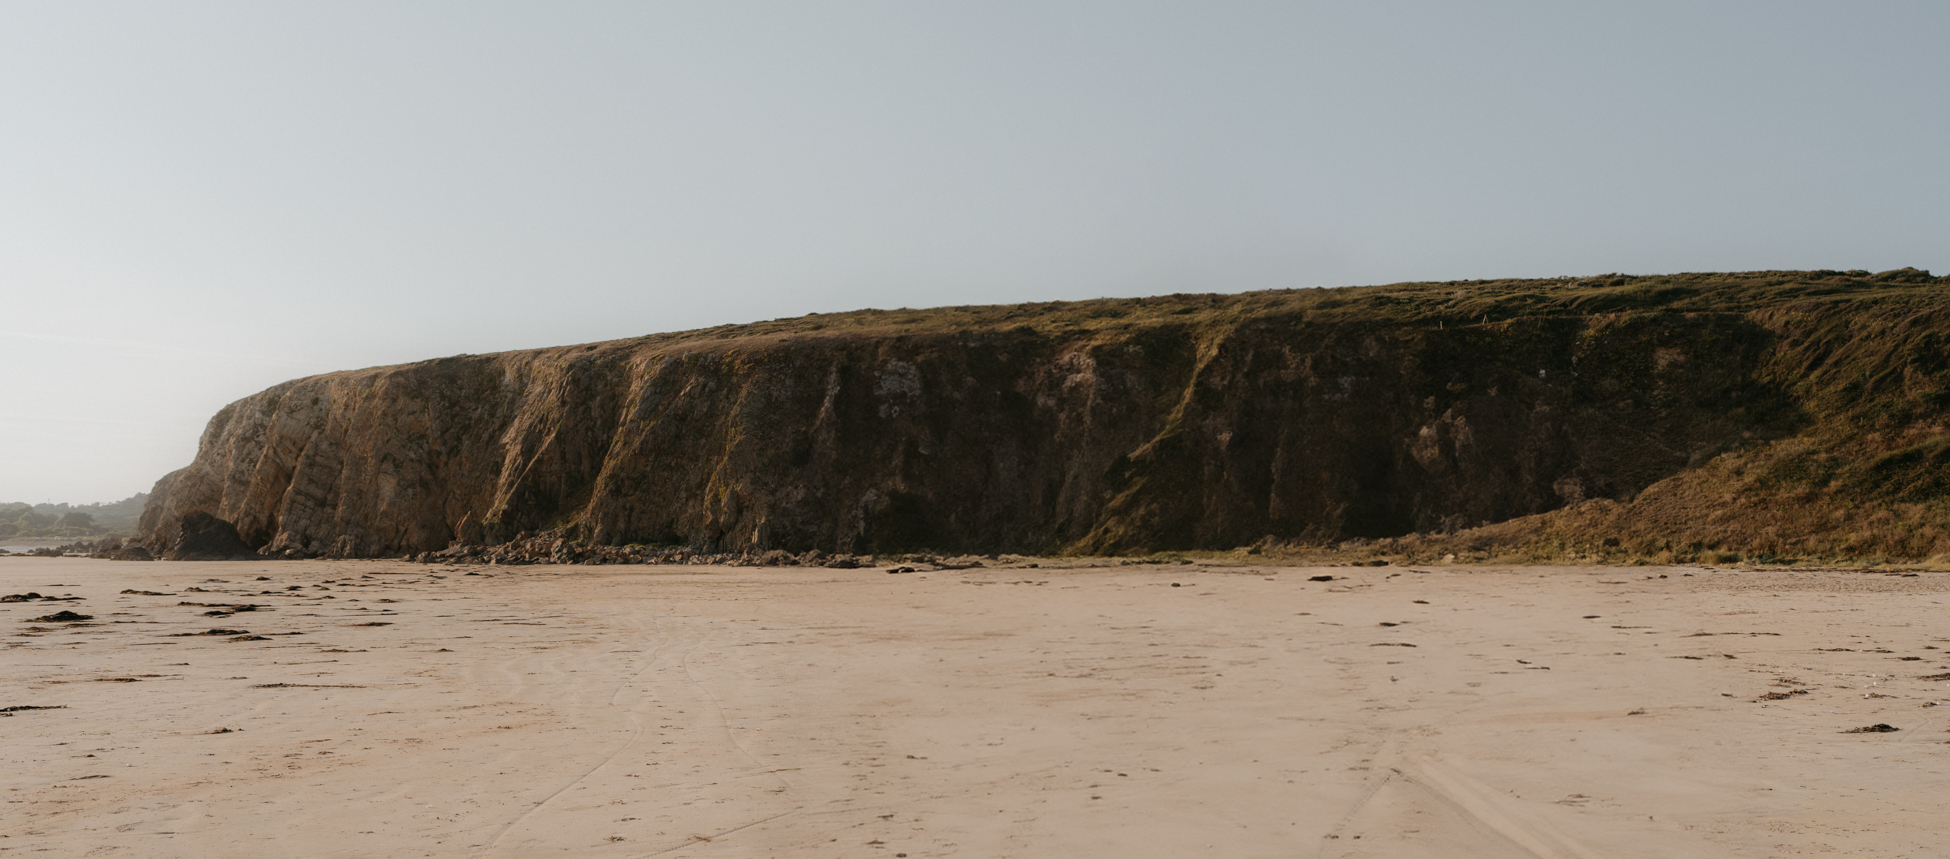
[19, 519]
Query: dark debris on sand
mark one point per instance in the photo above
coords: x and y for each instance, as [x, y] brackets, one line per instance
[17, 708]
[306, 686]
[31, 596]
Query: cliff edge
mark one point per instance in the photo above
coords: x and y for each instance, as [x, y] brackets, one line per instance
[1133, 425]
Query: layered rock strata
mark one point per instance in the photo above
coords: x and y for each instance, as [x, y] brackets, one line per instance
[1183, 422]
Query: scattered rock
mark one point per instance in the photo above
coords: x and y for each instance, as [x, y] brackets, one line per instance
[1320, 578]
[1878, 728]
[306, 686]
[63, 617]
[31, 596]
[1782, 696]
[554, 547]
[113, 549]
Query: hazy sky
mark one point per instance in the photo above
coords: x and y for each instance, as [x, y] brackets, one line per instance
[199, 200]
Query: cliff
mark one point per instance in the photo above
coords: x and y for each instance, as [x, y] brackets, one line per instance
[1119, 426]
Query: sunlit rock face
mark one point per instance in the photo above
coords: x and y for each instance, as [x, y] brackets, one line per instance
[1109, 426]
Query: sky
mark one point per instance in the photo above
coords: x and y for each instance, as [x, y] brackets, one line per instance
[200, 200]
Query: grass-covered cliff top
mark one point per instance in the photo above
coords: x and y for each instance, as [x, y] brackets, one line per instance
[1449, 302]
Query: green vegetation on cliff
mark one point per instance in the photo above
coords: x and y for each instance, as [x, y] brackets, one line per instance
[1760, 414]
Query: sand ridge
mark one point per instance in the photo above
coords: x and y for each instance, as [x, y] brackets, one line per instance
[381, 708]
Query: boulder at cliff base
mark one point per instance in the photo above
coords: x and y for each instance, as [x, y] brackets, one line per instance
[203, 537]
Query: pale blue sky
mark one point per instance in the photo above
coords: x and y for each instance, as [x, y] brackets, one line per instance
[199, 200]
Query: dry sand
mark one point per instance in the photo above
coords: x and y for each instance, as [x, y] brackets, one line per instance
[403, 710]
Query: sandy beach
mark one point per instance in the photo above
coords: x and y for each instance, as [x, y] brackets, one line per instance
[391, 709]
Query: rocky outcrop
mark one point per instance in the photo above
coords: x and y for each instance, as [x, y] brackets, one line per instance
[1111, 426]
[110, 548]
[202, 537]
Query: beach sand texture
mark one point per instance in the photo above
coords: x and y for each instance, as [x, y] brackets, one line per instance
[391, 709]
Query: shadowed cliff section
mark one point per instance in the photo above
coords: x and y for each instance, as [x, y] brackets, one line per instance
[1111, 426]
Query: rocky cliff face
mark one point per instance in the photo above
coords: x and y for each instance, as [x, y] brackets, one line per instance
[1110, 426]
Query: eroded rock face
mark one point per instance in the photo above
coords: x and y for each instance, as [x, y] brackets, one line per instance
[1211, 425]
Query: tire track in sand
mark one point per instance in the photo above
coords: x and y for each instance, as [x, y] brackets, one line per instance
[1468, 798]
[636, 735]
[1494, 810]
[706, 803]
